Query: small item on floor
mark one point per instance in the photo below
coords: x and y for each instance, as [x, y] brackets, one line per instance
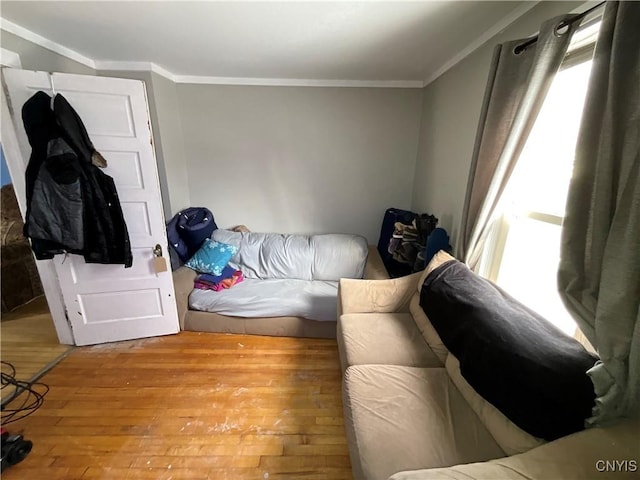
[27, 397]
[14, 449]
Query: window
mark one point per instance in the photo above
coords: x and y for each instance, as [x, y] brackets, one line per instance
[523, 249]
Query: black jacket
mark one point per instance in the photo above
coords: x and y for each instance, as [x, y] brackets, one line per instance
[72, 205]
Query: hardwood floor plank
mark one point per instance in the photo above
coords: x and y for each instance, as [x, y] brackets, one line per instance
[174, 474]
[29, 342]
[49, 473]
[192, 406]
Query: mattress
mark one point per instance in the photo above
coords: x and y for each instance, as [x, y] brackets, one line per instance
[313, 300]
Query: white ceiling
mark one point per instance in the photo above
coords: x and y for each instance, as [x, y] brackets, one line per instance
[363, 41]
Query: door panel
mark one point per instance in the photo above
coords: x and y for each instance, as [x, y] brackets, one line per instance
[141, 269]
[125, 168]
[109, 302]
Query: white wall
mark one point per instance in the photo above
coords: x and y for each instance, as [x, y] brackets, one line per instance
[300, 159]
[450, 112]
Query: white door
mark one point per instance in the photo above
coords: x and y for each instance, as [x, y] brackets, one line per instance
[106, 303]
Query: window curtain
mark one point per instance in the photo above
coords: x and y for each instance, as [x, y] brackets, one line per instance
[519, 79]
[599, 273]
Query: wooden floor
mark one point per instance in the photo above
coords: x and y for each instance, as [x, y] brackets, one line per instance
[193, 406]
[29, 341]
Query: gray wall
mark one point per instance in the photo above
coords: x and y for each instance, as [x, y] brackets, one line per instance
[300, 159]
[35, 57]
[450, 112]
[170, 141]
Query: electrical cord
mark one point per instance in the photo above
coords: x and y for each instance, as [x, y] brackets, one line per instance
[32, 394]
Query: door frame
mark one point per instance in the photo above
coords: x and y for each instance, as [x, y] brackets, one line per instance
[46, 269]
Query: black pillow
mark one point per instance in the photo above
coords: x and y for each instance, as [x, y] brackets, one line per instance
[515, 359]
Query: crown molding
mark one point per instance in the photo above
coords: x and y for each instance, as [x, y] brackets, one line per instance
[33, 37]
[9, 59]
[253, 81]
[481, 40]
[297, 82]
[135, 67]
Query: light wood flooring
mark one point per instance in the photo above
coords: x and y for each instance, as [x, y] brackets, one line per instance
[29, 341]
[191, 406]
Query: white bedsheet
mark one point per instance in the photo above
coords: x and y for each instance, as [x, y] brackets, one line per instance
[314, 300]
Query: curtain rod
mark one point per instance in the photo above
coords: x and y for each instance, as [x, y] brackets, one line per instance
[565, 23]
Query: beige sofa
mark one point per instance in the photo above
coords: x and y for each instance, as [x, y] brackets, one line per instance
[197, 321]
[410, 415]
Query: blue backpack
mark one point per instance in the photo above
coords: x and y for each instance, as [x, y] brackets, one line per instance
[188, 229]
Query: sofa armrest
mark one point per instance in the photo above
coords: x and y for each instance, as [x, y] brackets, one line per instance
[183, 279]
[611, 452]
[376, 296]
[374, 269]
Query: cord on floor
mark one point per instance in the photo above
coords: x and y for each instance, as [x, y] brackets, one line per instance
[31, 394]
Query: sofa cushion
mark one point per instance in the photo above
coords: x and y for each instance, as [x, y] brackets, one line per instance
[314, 300]
[517, 360]
[426, 329]
[382, 338]
[511, 438]
[304, 257]
[369, 296]
[609, 453]
[405, 418]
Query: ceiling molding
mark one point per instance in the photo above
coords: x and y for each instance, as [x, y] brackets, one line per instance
[33, 37]
[9, 59]
[134, 67]
[298, 82]
[481, 40]
[253, 81]
[206, 80]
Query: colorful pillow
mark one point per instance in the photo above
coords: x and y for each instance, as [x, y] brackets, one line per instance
[212, 257]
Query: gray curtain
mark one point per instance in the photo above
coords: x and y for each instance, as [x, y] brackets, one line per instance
[517, 86]
[599, 273]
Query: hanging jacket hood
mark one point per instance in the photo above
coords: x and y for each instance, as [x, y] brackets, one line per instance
[75, 131]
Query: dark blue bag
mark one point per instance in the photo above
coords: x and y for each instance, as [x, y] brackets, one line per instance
[188, 229]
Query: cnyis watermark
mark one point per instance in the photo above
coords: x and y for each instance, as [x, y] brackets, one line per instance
[617, 465]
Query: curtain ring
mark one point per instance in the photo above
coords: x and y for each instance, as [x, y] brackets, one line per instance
[562, 28]
[519, 49]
